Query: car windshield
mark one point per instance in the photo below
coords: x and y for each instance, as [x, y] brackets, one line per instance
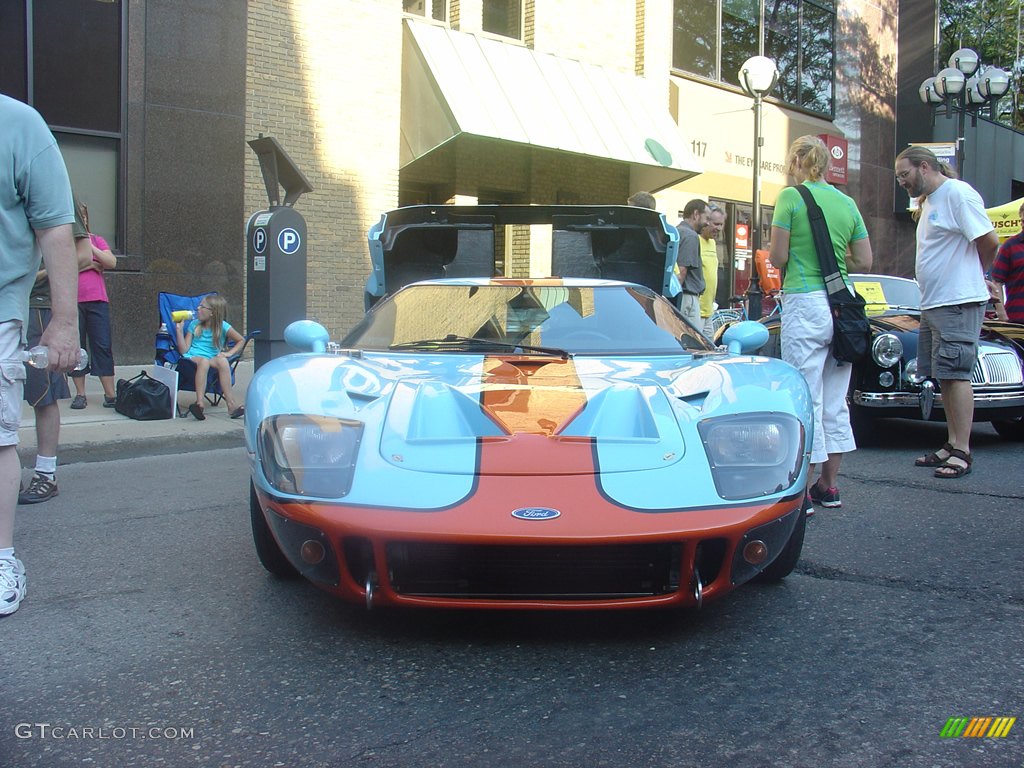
[886, 294]
[542, 319]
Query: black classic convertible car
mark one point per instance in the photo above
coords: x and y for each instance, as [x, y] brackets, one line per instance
[888, 384]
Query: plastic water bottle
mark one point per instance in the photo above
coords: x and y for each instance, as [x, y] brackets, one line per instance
[39, 357]
[182, 314]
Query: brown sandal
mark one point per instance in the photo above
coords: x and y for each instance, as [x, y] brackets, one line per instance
[933, 459]
[953, 471]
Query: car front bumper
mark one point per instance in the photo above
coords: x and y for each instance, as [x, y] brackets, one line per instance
[448, 559]
[928, 404]
[982, 400]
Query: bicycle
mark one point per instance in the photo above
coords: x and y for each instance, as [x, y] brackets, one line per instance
[737, 310]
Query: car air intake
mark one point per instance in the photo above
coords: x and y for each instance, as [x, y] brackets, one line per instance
[534, 572]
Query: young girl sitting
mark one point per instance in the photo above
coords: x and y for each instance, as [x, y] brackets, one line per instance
[209, 342]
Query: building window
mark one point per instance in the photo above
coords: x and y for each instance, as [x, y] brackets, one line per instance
[92, 163]
[64, 58]
[504, 17]
[712, 38]
[435, 9]
[14, 61]
[695, 37]
[740, 30]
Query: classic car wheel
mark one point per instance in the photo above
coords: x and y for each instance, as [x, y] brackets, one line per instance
[1010, 430]
[270, 555]
[783, 565]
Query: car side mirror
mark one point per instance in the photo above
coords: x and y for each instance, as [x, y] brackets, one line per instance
[745, 338]
[307, 336]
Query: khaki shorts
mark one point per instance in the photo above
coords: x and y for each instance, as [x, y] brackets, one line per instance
[947, 344]
[12, 382]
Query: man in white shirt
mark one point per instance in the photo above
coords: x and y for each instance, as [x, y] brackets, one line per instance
[956, 244]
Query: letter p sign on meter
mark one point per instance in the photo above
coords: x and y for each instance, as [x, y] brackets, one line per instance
[288, 241]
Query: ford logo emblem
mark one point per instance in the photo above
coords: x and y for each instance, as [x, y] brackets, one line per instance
[535, 513]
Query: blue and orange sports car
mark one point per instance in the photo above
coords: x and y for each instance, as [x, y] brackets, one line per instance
[551, 443]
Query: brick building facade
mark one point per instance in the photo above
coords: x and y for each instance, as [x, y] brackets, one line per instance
[342, 87]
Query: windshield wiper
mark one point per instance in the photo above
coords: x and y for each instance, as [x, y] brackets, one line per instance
[473, 342]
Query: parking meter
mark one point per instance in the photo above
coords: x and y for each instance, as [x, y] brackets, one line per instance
[275, 254]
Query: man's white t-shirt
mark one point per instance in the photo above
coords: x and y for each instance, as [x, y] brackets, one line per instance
[948, 267]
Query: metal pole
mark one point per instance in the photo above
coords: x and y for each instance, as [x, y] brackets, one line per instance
[961, 138]
[754, 290]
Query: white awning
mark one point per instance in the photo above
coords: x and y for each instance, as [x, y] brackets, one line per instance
[456, 83]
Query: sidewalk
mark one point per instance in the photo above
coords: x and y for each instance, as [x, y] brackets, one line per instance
[96, 433]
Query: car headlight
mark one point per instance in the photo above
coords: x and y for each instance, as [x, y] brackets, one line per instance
[310, 455]
[886, 350]
[753, 454]
[910, 372]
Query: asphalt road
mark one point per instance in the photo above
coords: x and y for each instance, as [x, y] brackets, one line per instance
[151, 636]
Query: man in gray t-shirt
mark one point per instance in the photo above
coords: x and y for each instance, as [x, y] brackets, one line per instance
[36, 212]
[688, 262]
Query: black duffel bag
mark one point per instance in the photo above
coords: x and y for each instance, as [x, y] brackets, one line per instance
[143, 398]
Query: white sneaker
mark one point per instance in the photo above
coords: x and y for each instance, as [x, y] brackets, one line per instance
[13, 586]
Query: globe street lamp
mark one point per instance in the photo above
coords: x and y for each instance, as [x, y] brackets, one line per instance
[966, 85]
[758, 76]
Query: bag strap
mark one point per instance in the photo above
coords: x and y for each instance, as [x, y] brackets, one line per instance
[830, 273]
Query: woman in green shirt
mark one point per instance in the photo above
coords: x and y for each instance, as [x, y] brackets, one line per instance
[806, 316]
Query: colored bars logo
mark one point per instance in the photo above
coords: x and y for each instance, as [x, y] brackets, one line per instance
[977, 727]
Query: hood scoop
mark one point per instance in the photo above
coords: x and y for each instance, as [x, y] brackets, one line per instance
[618, 412]
[437, 413]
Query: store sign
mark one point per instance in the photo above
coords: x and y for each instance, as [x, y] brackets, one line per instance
[742, 236]
[838, 148]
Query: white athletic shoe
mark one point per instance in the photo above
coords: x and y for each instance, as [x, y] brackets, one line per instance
[12, 585]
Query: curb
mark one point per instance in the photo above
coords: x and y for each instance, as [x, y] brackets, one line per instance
[162, 445]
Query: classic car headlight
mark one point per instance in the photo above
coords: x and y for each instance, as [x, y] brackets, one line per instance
[310, 455]
[753, 454]
[910, 372]
[886, 350]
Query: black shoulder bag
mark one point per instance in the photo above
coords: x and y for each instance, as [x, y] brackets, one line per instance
[851, 331]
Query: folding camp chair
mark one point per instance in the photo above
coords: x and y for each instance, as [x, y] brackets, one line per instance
[168, 356]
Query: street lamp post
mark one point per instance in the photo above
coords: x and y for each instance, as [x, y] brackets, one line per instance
[758, 76]
[965, 85]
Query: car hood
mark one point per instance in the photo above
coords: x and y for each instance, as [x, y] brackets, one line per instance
[424, 412]
[612, 242]
[897, 323]
[993, 332]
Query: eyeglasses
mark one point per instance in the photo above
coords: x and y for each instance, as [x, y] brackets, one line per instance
[904, 174]
[203, 306]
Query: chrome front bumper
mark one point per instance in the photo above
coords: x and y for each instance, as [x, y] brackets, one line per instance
[982, 400]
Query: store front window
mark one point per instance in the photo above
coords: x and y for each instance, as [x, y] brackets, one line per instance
[735, 250]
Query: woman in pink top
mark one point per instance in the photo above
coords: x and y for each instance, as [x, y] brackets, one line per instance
[94, 321]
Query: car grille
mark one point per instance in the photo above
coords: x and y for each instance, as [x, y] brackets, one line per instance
[997, 369]
[533, 572]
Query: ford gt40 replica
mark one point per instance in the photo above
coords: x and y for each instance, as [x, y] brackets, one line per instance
[554, 443]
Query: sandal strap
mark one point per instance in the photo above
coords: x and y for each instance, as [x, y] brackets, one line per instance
[933, 459]
[964, 456]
